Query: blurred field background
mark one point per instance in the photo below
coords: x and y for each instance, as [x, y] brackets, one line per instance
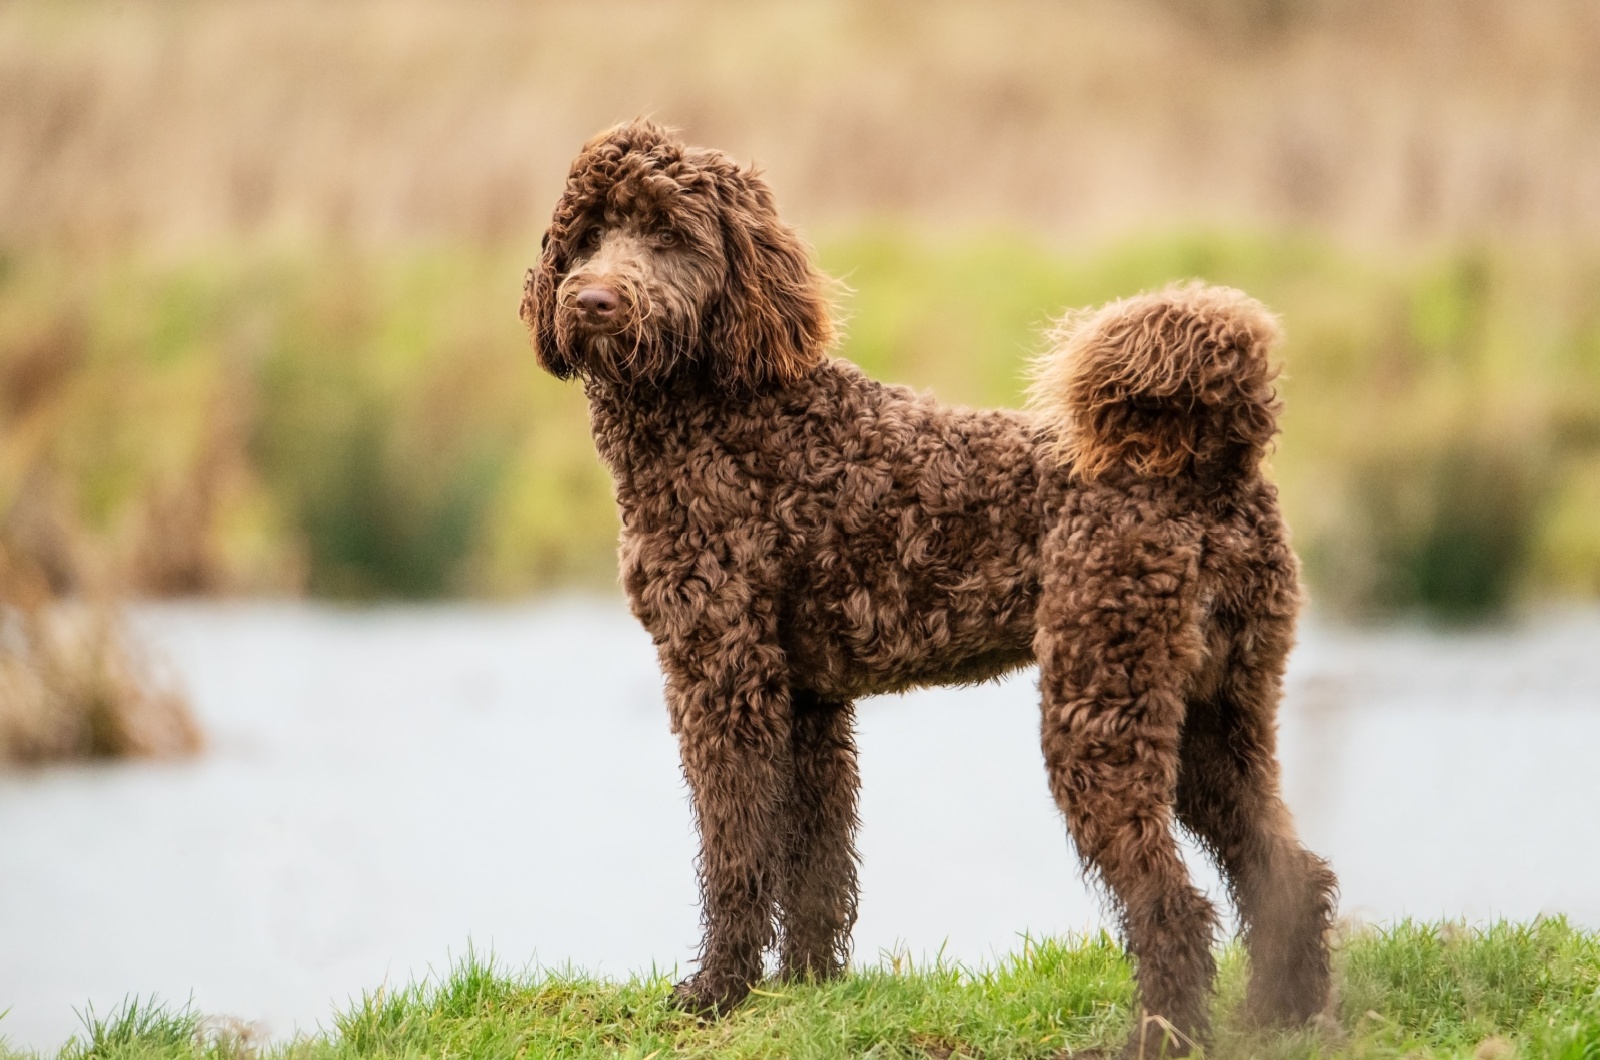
[260, 262]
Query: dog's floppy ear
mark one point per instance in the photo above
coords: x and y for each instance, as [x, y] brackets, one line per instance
[770, 323]
[539, 309]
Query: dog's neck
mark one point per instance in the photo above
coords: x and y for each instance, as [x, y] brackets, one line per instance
[645, 427]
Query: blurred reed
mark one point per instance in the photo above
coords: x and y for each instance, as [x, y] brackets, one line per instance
[73, 685]
[73, 681]
[374, 121]
[361, 430]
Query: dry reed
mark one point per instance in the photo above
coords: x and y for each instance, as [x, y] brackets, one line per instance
[72, 685]
[73, 682]
[403, 120]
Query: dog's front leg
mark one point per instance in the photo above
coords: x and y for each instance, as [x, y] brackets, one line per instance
[730, 703]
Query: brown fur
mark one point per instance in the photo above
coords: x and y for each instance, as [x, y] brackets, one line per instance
[797, 536]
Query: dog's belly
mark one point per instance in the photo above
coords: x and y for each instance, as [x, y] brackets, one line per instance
[856, 636]
[934, 669]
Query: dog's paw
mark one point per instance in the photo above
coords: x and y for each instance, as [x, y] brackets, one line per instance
[708, 995]
[1155, 1038]
[810, 970]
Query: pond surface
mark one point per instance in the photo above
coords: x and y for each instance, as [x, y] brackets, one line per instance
[383, 787]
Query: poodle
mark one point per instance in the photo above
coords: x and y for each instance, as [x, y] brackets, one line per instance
[796, 536]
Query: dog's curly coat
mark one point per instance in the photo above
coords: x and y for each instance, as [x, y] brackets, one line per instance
[796, 536]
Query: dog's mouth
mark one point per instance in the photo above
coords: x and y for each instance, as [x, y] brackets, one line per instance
[614, 342]
[624, 348]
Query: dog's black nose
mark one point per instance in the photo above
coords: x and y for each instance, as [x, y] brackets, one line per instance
[598, 301]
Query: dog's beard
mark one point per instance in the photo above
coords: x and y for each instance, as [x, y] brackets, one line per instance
[630, 357]
[644, 345]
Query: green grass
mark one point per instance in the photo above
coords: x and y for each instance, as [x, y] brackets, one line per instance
[1411, 990]
[357, 426]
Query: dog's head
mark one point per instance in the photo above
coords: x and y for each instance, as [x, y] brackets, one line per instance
[662, 258]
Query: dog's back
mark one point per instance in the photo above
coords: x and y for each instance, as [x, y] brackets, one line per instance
[906, 536]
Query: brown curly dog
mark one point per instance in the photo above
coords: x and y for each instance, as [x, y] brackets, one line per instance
[796, 536]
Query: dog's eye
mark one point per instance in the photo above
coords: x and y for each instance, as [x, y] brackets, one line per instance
[591, 238]
[666, 239]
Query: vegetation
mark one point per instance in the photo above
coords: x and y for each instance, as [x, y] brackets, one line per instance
[358, 427]
[74, 685]
[376, 123]
[1413, 990]
[257, 261]
[73, 682]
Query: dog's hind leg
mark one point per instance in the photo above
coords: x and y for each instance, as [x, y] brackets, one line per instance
[1117, 644]
[1228, 797]
[817, 892]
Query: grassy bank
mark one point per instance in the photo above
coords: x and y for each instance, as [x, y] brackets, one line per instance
[358, 426]
[1415, 990]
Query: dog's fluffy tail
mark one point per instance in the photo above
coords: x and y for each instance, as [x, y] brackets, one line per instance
[1165, 385]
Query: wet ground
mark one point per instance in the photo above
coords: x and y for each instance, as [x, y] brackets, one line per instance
[383, 786]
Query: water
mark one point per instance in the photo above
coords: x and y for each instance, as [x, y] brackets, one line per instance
[382, 787]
